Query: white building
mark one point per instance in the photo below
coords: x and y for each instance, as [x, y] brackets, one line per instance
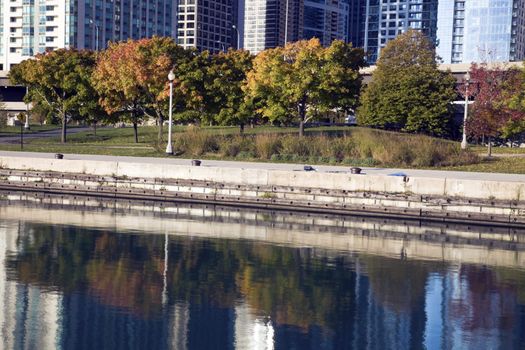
[28, 27]
[206, 24]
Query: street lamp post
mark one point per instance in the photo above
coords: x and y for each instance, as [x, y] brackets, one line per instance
[286, 24]
[169, 147]
[26, 126]
[223, 47]
[96, 33]
[238, 36]
[464, 140]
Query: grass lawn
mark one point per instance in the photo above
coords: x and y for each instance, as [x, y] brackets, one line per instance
[120, 141]
[8, 130]
[509, 165]
[499, 150]
[148, 134]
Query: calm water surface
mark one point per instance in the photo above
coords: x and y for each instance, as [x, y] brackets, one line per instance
[72, 278]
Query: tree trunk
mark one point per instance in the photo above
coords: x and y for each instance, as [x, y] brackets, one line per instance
[64, 127]
[95, 128]
[489, 147]
[136, 131]
[241, 128]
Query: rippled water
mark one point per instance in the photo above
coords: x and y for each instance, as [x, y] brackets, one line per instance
[74, 277]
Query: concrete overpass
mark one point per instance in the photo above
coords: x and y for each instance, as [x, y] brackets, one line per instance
[12, 96]
[457, 69]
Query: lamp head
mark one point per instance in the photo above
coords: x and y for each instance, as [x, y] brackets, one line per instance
[171, 75]
[467, 77]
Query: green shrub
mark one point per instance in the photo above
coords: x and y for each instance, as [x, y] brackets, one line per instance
[245, 155]
[287, 157]
[3, 119]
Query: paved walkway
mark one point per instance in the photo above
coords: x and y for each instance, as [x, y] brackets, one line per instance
[281, 166]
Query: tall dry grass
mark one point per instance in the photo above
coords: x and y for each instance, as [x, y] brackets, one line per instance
[360, 146]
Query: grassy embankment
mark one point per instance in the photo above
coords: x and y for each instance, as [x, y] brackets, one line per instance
[325, 145]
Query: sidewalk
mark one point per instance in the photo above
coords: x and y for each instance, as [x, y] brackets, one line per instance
[282, 166]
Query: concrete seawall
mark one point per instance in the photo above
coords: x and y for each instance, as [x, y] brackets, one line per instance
[451, 199]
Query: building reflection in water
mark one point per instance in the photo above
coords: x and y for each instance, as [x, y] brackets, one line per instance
[65, 286]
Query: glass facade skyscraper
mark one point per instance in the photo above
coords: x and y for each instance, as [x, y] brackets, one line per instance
[271, 23]
[464, 31]
[480, 31]
[326, 20]
[375, 22]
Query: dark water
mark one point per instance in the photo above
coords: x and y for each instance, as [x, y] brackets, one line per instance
[73, 278]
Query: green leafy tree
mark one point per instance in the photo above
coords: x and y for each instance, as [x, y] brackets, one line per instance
[54, 80]
[192, 99]
[228, 72]
[513, 100]
[340, 78]
[407, 91]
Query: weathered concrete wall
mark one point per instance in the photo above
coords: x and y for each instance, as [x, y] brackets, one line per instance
[439, 198]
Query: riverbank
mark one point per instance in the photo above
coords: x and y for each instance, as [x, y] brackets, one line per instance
[350, 146]
[495, 199]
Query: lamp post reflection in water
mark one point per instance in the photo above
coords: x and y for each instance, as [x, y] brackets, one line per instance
[165, 274]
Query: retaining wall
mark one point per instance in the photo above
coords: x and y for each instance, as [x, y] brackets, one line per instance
[408, 197]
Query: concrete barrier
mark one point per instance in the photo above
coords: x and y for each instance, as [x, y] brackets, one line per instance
[442, 198]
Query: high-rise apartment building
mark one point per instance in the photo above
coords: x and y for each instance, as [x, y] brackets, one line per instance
[28, 27]
[206, 24]
[481, 31]
[326, 20]
[271, 23]
[375, 22]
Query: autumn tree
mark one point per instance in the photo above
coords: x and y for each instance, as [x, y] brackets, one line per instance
[496, 109]
[407, 91]
[54, 80]
[303, 75]
[132, 78]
